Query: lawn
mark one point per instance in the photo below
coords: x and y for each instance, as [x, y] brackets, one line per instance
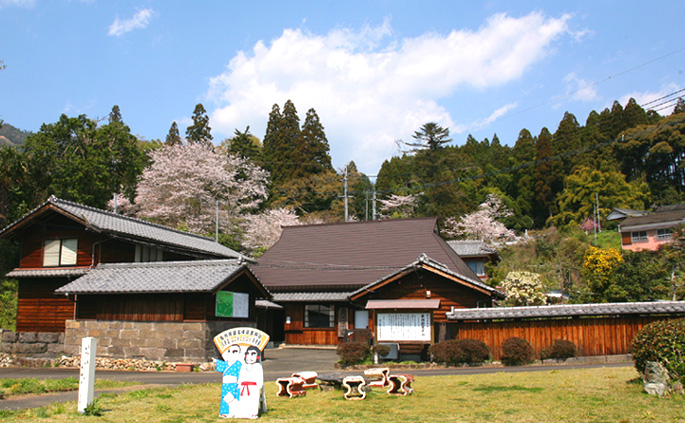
[597, 395]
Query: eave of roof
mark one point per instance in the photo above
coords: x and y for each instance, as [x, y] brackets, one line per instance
[402, 304]
[290, 297]
[205, 276]
[47, 272]
[428, 264]
[567, 310]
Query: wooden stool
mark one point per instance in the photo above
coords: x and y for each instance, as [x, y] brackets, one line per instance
[378, 377]
[290, 387]
[309, 379]
[354, 387]
[400, 384]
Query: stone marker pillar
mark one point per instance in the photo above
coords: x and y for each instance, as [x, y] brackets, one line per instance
[86, 385]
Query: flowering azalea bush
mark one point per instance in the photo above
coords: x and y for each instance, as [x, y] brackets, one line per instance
[598, 266]
[523, 289]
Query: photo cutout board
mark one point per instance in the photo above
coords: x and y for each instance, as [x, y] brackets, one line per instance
[242, 388]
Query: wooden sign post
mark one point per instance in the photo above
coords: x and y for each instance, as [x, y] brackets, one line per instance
[86, 385]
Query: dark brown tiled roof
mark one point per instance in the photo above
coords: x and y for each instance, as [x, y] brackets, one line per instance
[352, 255]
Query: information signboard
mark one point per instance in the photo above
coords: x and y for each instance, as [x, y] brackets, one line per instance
[403, 326]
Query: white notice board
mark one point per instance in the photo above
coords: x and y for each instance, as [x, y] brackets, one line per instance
[403, 327]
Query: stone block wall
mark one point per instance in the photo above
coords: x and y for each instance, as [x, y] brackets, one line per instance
[33, 344]
[174, 342]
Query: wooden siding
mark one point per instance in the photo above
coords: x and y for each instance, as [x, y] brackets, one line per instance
[593, 336]
[39, 310]
[414, 287]
[297, 334]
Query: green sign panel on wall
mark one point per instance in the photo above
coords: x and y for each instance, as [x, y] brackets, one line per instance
[232, 304]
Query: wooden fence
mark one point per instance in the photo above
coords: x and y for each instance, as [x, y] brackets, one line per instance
[592, 335]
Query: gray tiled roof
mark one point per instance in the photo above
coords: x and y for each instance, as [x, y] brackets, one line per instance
[567, 310]
[136, 229]
[157, 277]
[48, 272]
[471, 248]
[287, 297]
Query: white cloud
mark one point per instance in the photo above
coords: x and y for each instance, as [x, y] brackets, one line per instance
[579, 89]
[655, 100]
[370, 89]
[138, 21]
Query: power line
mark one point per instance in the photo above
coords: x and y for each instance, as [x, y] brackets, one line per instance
[661, 98]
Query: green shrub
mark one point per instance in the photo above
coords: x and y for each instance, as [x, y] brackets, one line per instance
[664, 342]
[351, 353]
[517, 352]
[460, 351]
[561, 349]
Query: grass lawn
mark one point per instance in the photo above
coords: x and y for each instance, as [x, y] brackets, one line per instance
[597, 395]
[10, 387]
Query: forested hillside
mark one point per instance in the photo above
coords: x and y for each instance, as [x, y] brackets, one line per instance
[11, 136]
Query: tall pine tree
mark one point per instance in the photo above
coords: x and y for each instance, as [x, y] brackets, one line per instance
[173, 137]
[315, 145]
[200, 132]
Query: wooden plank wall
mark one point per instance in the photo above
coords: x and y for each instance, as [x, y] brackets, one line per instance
[39, 310]
[592, 336]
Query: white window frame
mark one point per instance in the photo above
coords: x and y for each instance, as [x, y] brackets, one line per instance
[639, 236]
[664, 234]
[60, 252]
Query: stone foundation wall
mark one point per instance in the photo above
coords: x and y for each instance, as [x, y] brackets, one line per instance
[157, 341]
[33, 344]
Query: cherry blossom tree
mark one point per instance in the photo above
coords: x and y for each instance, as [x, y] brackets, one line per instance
[483, 224]
[183, 184]
[398, 206]
[261, 231]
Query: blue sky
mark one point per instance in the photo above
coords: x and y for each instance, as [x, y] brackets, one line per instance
[374, 71]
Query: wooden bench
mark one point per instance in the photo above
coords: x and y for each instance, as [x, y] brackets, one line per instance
[354, 387]
[400, 384]
[378, 378]
[290, 387]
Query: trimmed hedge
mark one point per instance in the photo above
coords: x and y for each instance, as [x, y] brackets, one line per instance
[561, 349]
[517, 352]
[351, 353]
[460, 351]
[664, 342]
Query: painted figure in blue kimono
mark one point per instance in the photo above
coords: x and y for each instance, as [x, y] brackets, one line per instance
[230, 392]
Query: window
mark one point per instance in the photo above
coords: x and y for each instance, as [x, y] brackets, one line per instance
[145, 254]
[478, 267]
[664, 234]
[60, 252]
[640, 236]
[319, 316]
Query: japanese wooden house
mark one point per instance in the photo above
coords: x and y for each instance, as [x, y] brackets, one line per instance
[395, 279]
[82, 264]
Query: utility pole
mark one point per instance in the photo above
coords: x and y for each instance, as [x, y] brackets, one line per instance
[373, 214]
[345, 194]
[216, 238]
